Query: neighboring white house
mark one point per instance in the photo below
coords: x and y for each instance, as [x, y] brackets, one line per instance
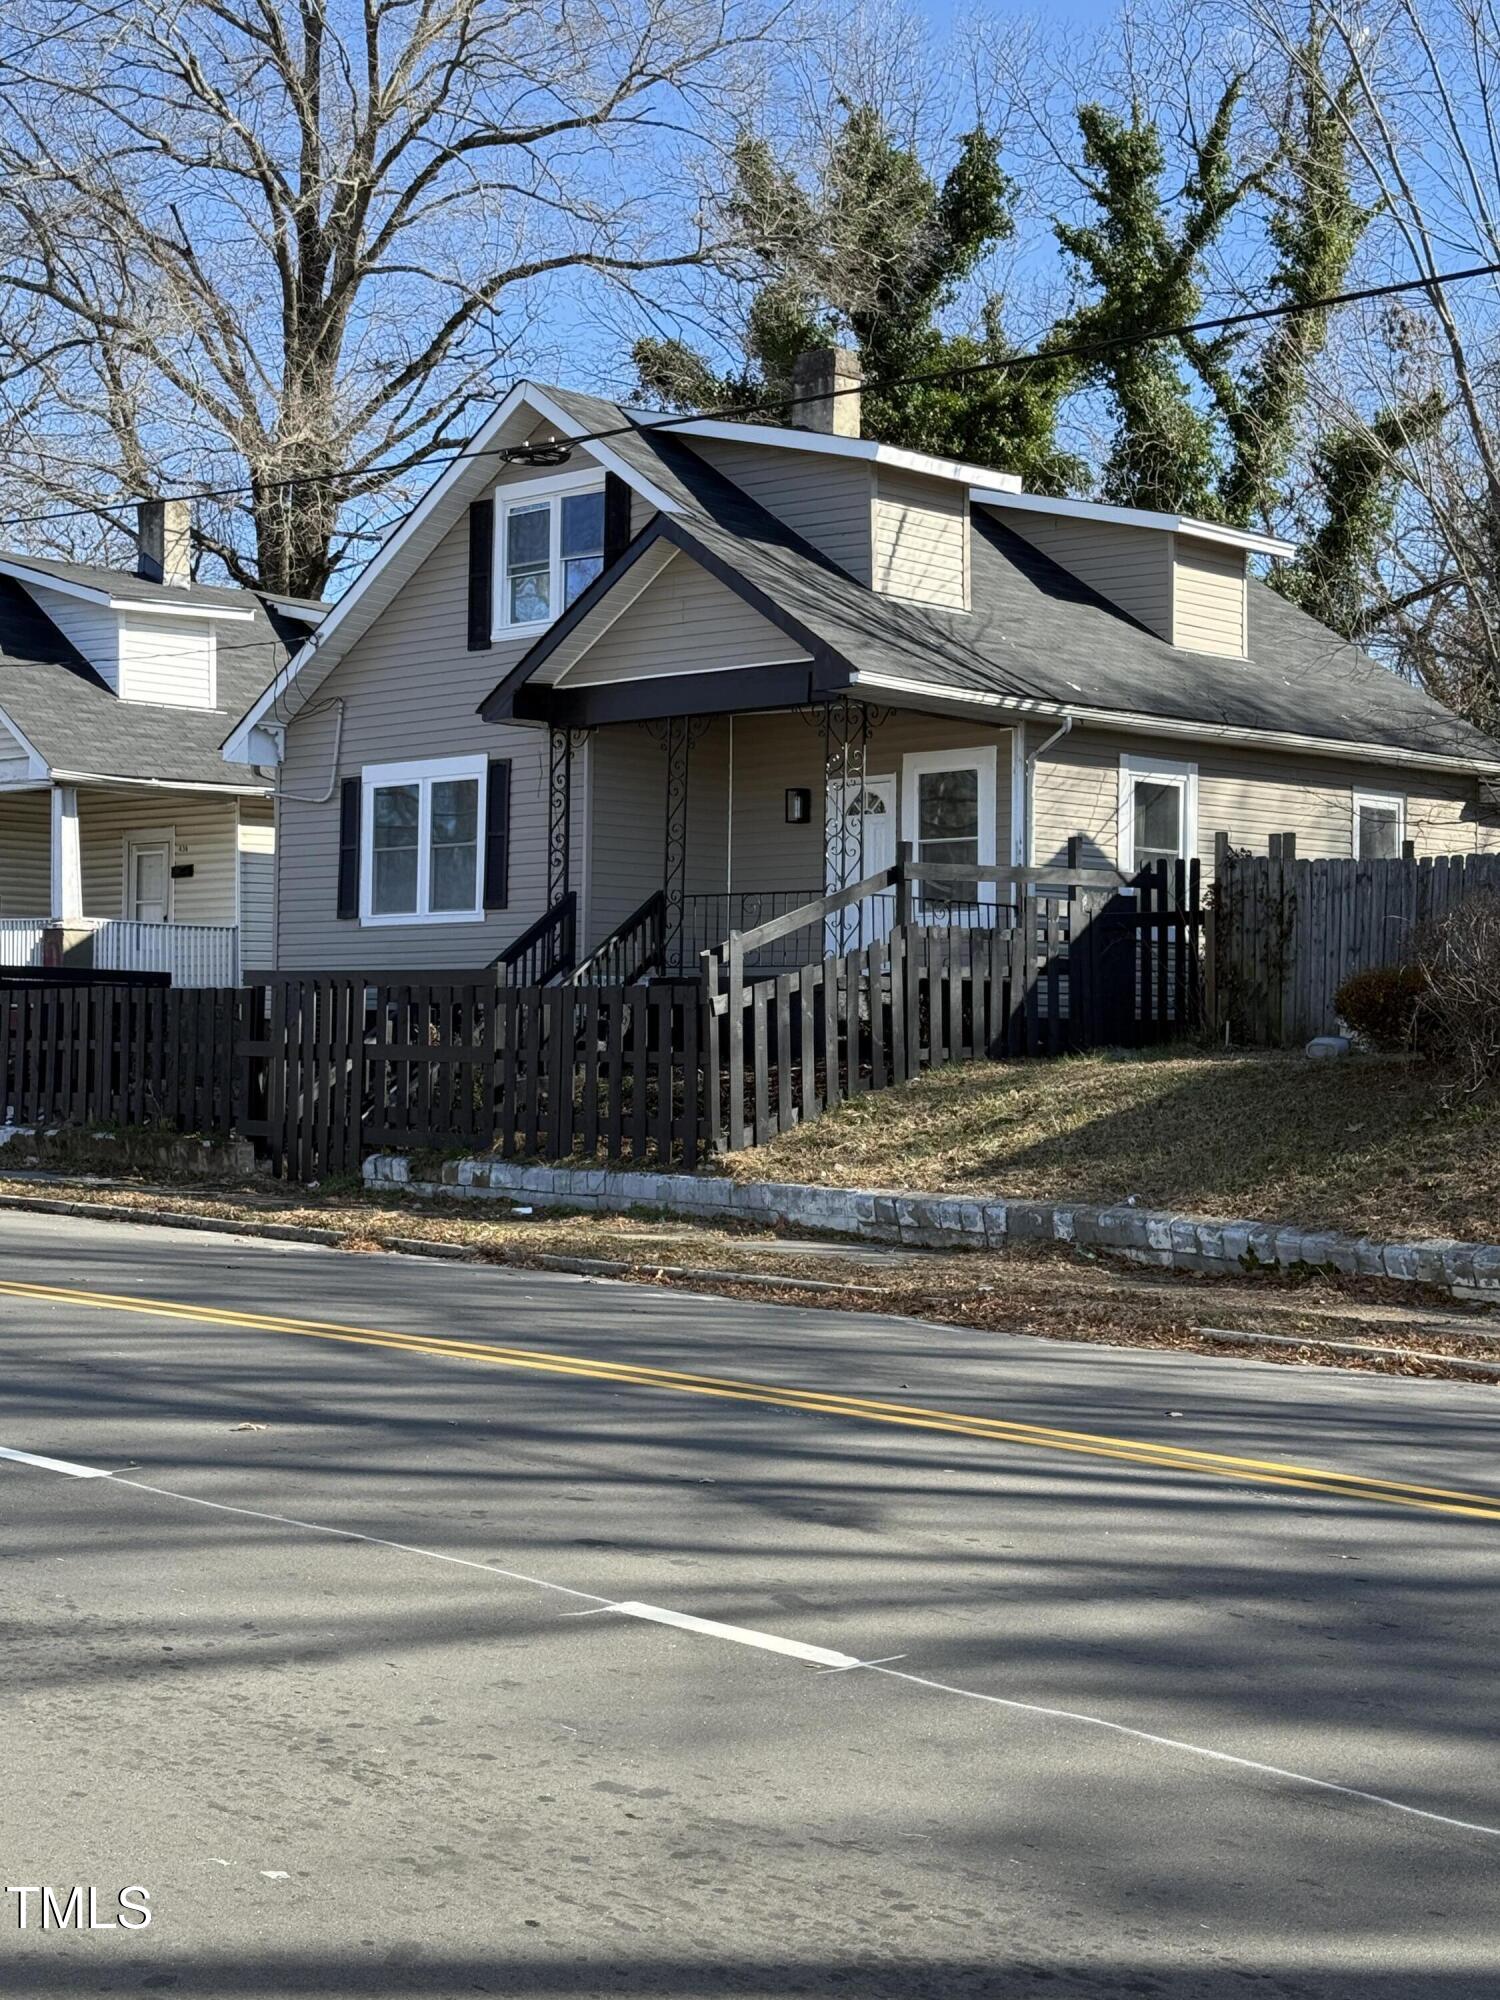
[126, 841]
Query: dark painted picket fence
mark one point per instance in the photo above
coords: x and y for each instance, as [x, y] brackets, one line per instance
[322, 1069]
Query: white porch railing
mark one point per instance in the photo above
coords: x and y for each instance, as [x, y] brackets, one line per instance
[191, 954]
[21, 940]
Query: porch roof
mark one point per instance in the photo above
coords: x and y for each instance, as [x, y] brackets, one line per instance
[76, 725]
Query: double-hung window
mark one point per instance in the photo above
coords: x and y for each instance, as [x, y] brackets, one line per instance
[1158, 812]
[421, 855]
[1379, 826]
[549, 547]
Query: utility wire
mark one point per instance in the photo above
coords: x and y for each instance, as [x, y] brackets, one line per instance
[1085, 350]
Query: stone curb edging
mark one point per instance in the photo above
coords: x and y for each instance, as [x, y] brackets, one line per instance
[958, 1222]
[419, 1246]
[608, 1267]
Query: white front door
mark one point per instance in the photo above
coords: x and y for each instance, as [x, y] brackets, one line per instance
[148, 881]
[870, 818]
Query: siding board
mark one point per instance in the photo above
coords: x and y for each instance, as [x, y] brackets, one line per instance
[410, 689]
[1249, 793]
[685, 622]
[93, 628]
[257, 865]
[826, 500]
[1132, 567]
[26, 855]
[204, 837]
[921, 539]
[1208, 598]
[167, 661]
[774, 751]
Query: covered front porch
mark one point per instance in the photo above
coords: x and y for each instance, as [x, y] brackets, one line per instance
[133, 878]
[699, 825]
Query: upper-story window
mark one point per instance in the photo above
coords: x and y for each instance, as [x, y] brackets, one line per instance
[550, 535]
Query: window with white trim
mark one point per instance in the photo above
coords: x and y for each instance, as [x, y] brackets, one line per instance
[948, 815]
[549, 537]
[1379, 826]
[1158, 811]
[421, 858]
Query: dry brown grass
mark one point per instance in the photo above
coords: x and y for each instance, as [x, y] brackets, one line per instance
[1367, 1144]
[1048, 1292]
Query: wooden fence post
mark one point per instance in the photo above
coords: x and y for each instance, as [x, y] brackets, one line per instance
[734, 1025]
[903, 884]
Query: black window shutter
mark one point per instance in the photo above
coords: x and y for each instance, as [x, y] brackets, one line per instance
[349, 800]
[497, 835]
[481, 574]
[616, 517]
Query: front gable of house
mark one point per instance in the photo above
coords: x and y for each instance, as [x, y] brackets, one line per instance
[685, 621]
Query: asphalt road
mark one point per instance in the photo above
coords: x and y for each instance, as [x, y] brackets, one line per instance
[335, 1662]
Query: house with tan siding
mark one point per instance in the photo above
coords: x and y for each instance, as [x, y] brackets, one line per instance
[611, 658]
[126, 841]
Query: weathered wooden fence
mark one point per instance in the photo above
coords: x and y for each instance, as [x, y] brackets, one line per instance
[129, 1054]
[1288, 933]
[321, 1069]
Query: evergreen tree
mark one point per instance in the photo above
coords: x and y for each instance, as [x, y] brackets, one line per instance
[1143, 252]
[1357, 472]
[873, 258]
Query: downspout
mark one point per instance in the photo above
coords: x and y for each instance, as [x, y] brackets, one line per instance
[1028, 799]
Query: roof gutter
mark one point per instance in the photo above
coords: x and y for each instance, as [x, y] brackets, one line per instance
[1197, 732]
[154, 784]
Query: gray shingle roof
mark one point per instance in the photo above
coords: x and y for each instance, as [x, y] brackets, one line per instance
[1036, 632]
[70, 717]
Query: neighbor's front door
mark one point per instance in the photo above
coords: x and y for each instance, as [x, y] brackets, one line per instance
[148, 881]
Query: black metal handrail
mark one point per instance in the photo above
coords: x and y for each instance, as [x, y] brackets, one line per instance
[636, 946]
[545, 949]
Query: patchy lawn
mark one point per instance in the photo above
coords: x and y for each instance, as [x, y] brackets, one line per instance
[1362, 1144]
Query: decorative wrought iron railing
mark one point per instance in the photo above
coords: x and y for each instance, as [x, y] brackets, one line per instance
[545, 949]
[635, 947]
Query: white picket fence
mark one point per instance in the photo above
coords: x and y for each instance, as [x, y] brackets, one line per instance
[192, 954]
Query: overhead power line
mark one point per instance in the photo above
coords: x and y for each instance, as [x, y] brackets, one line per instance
[1084, 350]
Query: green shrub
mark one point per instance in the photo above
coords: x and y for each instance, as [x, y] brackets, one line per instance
[1384, 1005]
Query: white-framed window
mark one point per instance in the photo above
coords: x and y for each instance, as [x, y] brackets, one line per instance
[948, 815]
[1379, 826]
[421, 842]
[549, 547]
[1158, 811]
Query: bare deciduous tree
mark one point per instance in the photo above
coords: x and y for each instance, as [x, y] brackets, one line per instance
[1421, 109]
[284, 245]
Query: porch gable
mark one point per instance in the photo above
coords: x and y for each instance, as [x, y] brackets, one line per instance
[673, 612]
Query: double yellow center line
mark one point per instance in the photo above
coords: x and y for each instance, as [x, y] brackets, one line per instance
[862, 1409]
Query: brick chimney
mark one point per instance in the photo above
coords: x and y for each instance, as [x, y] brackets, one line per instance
[830, 377]
[163, 542]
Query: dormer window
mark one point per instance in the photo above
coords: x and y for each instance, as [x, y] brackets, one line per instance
[551, 547]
